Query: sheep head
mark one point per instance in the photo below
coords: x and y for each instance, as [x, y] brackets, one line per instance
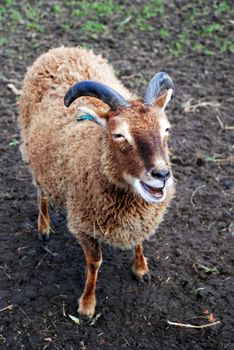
[138, 133]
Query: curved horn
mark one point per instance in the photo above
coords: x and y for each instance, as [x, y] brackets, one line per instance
[94, 89]
[160, 81]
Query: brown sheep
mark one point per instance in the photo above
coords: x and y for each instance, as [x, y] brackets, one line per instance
[105, 158]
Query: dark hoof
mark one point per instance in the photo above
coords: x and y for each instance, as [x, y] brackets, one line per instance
[89, 321]
[85, 320]
[145, 279]
[44, 237]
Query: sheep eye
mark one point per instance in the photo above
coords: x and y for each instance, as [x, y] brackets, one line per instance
[117, 136]
[167, 130]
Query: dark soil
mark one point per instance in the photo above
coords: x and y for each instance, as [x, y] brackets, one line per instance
[191, 255]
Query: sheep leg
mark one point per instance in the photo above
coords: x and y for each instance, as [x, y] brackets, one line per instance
[140, 266]
[93, 255]
[43, 222]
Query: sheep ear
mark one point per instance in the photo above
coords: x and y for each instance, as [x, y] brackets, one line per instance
[89, 114]
[164, 99]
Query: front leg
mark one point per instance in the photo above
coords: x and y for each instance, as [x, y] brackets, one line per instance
[43, 222]
[93, 256]
[140, 266]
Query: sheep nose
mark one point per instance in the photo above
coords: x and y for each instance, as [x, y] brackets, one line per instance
[162, 174]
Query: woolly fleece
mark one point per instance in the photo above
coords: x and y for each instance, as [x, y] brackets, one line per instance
[70, 161]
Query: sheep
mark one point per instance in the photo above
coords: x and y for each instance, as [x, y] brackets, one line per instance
[105, 158]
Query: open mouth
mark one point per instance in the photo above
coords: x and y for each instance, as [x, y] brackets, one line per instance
[157, 193]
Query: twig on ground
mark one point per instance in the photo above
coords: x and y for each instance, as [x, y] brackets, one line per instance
[41, 261]
[190, 106]
[49, 251]
[64, 313]
[25, 315]
[126, 341]
[229, 159]
[223, 126]
[14, 89]
[21, 248]
[188, 325]
[5, 268]
[9, 307]
[220, 122]
[193, 194]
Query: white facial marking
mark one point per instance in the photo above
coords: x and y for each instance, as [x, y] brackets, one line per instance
[155, 182]
[123, 129]
[146, 195]
[160, 163]
[164, 125]
[142, 191]
[170, 181]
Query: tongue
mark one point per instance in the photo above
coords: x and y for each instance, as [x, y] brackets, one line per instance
[156, 192]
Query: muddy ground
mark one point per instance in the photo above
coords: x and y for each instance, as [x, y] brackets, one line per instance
[191, 255]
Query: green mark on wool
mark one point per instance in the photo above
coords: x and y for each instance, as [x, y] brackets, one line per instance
[82, 118]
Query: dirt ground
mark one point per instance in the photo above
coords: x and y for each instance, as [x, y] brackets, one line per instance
[191, 255]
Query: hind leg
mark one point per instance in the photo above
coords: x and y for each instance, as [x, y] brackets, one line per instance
[43, 222]
[140, 266]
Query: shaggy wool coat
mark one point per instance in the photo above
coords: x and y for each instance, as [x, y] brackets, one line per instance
[71, 161]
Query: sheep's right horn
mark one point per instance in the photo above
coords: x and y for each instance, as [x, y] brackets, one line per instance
[160, 81]
[94, 89]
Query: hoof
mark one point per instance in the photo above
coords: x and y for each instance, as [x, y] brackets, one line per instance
[86, 308]
[142, 276]
[146, 278]
[43, 233]
[84, 319]
[44, 237]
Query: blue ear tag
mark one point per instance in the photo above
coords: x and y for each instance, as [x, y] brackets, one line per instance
[82, 118]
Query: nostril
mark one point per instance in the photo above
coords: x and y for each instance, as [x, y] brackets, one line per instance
[160, 174]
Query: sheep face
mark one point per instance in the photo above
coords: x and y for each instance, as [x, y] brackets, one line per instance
[137, 134]
[138, 141]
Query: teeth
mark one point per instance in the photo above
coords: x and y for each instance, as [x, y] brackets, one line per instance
[156, 192]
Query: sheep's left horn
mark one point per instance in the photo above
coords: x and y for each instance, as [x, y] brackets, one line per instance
[94, 89]
[160, 81]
